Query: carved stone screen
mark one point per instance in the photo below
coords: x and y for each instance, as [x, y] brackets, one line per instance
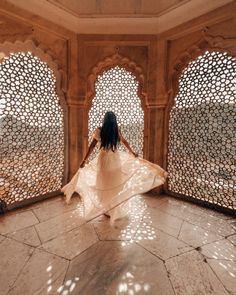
[202, 147]
[117, 91]
[32, 132]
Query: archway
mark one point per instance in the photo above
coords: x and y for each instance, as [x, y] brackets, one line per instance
[32, 129]
[201, 132]
[116, 89]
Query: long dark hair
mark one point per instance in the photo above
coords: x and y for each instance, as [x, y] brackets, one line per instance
[109, 132]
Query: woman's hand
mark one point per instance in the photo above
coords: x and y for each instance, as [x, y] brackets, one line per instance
[125, 142]
[90, 150]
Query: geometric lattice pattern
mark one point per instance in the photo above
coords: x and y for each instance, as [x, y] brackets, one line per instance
[32, 129]
[117, 91]
[202, 131]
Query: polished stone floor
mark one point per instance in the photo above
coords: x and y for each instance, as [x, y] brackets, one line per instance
[165, 246]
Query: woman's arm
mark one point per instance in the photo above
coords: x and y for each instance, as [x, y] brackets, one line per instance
[90, 150]
[126, 144]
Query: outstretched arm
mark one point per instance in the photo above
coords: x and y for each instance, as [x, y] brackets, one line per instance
[90, 150]
[126, 144]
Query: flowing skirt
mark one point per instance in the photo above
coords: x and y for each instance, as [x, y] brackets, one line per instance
[110, 179]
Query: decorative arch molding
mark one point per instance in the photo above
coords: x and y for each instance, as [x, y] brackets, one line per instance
[206, 43]
[112, 61]
[104, 65]
[8, 47]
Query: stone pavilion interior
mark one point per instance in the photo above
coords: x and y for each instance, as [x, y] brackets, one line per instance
[167, 68]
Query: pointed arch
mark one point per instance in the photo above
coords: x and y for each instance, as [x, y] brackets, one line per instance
[206, 43]
[8, 47]
[15, 47]
[112, 61]
[105, 65]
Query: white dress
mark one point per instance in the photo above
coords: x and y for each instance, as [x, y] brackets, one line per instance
[110, 179]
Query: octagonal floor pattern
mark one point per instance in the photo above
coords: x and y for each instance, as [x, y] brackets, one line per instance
[164, 246]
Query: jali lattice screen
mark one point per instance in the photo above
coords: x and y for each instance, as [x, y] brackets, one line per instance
[202, 141]
[32, 132]
[117, 91]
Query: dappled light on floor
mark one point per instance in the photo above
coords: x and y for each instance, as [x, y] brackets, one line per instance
[131, 227]
[158, 243]
[129, 285]
[68, 287]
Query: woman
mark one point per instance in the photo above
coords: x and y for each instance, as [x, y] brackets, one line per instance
[113, 176]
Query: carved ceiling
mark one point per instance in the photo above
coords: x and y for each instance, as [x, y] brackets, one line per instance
[118, 16]
[117, 8]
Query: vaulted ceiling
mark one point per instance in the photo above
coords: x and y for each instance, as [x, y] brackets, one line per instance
[119, 16]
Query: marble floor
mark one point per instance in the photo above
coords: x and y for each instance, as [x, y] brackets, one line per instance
[165, 246]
